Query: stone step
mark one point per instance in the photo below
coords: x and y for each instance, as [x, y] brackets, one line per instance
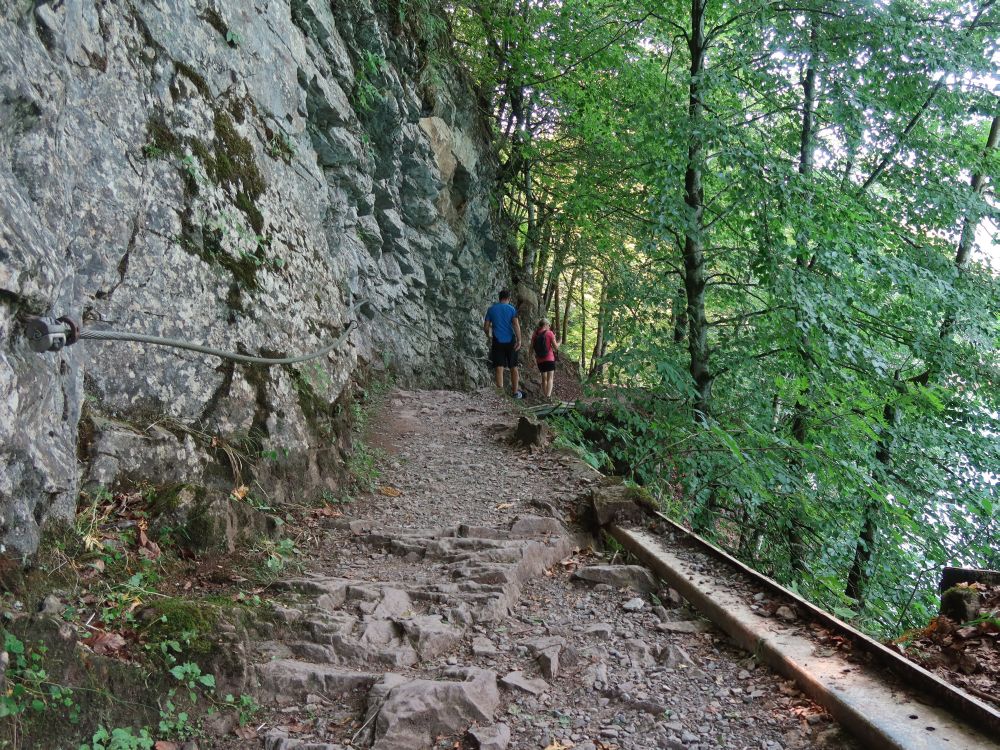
[411, 713]
[278, 740]
[287, 681]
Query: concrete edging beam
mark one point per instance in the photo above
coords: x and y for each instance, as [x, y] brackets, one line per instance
[879, 714]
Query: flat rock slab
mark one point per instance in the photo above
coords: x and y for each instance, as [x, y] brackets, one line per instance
[600, 630]
[634, 577]
[289, 681]
[528, 526]
[517, 681]
[413, 713]
[278, 740]
[482, 646]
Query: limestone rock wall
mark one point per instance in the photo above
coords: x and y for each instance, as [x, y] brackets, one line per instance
[251, 176]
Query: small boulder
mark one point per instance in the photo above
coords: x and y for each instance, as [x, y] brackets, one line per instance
[530, 432]
[517, 681]
[495, 737]
[634, 577]
[786, 613]
[548, 661]
[528, 526]
[414, 712]
[634, 605]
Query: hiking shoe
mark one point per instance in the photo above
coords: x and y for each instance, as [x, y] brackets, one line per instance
[519, 394]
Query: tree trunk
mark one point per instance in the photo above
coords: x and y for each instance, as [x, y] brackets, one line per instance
[694, 249]
[531, 233]
[569, 300]
[857, 578]
[679, 314]
[806, 151]
[800, 415]
[552, 284]
[596, 365]
[555, 308]
[583, 323]
[967, 239]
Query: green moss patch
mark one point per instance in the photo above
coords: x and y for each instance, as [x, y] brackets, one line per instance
[235, 161]
[191, 623]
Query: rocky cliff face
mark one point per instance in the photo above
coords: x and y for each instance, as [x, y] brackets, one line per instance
[251, 176]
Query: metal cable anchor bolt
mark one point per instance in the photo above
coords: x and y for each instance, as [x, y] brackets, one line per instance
[50, 334]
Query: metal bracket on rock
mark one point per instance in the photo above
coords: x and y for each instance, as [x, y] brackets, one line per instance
[51, 334]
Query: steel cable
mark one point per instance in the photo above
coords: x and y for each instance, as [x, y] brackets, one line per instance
[100, 335]
[97, 334]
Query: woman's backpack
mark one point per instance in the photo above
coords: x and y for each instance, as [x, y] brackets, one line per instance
[541, 344]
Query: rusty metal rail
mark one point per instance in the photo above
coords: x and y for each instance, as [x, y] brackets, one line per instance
[919, 711]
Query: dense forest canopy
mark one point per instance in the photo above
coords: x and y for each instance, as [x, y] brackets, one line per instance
[763, 229]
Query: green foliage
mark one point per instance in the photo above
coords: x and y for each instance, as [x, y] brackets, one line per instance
[329, 498]
[368, 71]
[119, 738]
[362, 465]
[247, 709]
[279, 556]
[280, 146]
[190, 675]
[28, 686]
[843, 341]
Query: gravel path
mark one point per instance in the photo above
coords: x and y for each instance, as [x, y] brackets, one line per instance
[460, 596]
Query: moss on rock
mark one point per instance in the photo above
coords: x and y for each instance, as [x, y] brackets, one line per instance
[192, 623]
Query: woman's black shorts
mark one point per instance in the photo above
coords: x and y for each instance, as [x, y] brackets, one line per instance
[546, 366]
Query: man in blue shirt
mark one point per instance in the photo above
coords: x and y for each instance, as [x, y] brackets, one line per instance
[504, 329]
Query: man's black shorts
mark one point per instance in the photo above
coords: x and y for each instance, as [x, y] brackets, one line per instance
[503, 355]
[546, 366]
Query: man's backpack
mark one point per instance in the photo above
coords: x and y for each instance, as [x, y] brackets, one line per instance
[541, 345]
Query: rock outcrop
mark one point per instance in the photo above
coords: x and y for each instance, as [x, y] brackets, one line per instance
[250, 177]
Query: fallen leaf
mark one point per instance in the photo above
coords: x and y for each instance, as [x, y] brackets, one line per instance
[505, 506]
[164, 745]
[240, 492]
[388, 490]
[245, 733]
[105, 642]
[557, 745]
[328, 511]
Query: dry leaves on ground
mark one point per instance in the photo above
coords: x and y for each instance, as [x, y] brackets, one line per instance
[104, 643]
[965, 654]
[245, 733]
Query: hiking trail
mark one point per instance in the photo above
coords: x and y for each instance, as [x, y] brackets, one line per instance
[459, 606]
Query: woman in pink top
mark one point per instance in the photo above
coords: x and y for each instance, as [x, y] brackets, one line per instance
[544, 344]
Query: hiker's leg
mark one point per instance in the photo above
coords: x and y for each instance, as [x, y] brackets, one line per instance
[498, 377]
[550, 380]
[514, 378]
